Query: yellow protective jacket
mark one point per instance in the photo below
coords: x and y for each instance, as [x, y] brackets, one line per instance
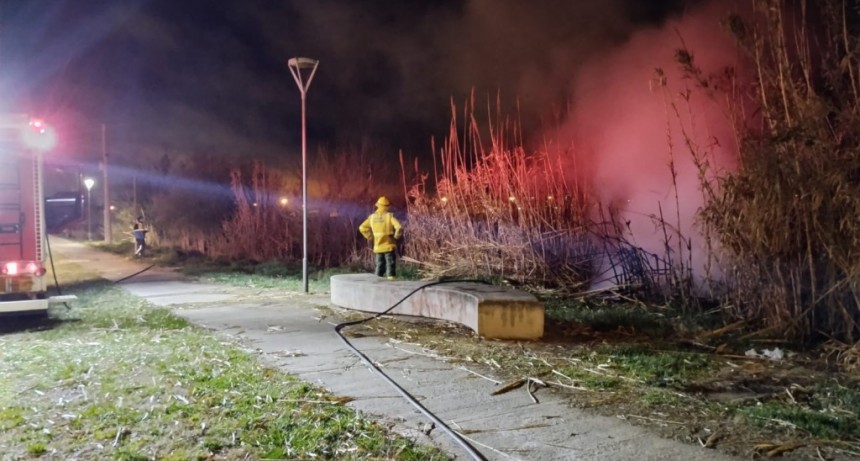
[383, 228]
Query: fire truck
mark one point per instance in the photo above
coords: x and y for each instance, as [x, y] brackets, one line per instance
[23, 236]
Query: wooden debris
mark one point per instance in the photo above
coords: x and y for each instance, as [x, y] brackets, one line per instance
[721, 331]
[509, 386]
[772, 450]
[711, 441]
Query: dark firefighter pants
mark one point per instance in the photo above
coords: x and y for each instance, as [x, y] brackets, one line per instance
[139, 247]
[386, 264]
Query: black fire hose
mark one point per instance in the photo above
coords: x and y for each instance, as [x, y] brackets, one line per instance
[135, 274]
[475, 454]
[53, 270]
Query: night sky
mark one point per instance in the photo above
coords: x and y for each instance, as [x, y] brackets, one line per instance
[211, 77]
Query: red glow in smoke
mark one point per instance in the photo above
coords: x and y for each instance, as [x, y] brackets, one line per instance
[622, 127]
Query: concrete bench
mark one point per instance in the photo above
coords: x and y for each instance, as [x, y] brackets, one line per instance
[491, 311]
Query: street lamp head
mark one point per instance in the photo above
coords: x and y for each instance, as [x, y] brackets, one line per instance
[302, 63]
[296, 66]
[89, 182]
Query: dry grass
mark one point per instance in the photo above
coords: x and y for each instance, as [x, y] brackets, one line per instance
[845, 357]
[264, 227]
[492, 210]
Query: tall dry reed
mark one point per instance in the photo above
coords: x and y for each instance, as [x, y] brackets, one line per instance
[789, 217]
[265, 228]
[494, 210]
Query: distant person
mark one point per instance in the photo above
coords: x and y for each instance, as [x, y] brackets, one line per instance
[139, 234]
[384, 229]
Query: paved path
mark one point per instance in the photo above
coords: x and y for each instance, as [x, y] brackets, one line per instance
[288, 331]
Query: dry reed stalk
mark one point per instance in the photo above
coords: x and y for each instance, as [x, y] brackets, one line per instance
[497, 211]
[845, 356]
[787, 218]
[262, 228]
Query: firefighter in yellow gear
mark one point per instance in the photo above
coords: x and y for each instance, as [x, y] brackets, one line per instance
[384, 229]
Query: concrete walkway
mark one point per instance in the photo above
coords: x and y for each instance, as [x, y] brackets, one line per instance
[288, 331]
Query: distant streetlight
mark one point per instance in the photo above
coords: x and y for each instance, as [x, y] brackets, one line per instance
[296, 66]
[89, 182]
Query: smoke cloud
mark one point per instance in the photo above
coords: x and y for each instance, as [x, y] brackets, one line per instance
[632, 123]
[398, 64]
[210, 76]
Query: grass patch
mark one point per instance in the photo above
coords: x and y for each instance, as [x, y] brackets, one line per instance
[10, 418]
[316, 282]
[278, 275]
[252, 274]
[116, 378]
[828, 411]
[659, 368]
[606, 317]
[659, 398]
[818, 424]
[613, 367]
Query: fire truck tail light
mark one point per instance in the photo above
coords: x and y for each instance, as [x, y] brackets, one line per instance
[23, 268]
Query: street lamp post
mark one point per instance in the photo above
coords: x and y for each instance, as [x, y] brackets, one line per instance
[296, 66]
[108, 230]
[89, 182]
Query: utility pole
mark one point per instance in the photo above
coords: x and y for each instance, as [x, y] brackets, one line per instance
[134, 193]
[107, 226]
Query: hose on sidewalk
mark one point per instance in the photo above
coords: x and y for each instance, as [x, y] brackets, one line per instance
[57, 282]
[473, 453]
[135, 274]
[53, 270]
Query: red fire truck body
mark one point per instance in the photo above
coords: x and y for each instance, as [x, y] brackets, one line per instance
[23, 287]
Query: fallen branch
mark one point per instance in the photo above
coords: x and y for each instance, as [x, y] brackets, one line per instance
[711, 441]
[720, 331]
[776, 449]
[509, 386]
